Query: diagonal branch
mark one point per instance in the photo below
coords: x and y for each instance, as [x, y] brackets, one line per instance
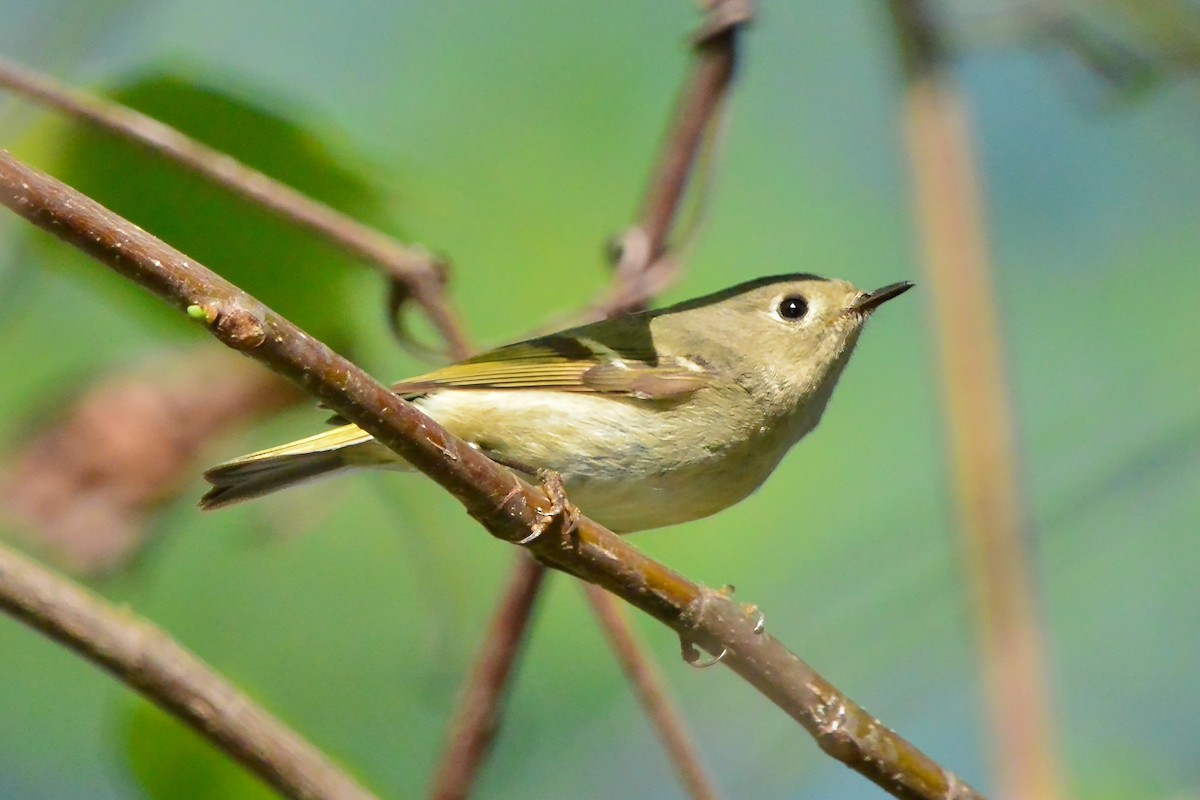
[645, 265]
[150, 662]
[477, 712]
[980, 424]
[509, 509]
[647, 683]
[703, 94]
[412, 272]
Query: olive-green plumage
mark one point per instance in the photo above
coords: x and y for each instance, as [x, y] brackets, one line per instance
[651, 419]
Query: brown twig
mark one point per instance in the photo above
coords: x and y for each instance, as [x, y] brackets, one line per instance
[949, 211]
[152, 663]
[422, 274]
[477, 712]
[645, 267]
[509, 509]
[647, 683]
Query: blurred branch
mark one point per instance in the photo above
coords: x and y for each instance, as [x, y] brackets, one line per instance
[1131, 44]
[477, 712]
[84, 486]
[644, 267]
[948, 205]
[150, 662]
[508, 508]
[412, 273]
[651, 693]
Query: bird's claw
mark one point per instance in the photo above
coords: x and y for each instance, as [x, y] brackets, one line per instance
[560, 506]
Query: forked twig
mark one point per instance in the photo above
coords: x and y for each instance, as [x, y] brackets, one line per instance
[422, 275]
[486, 490]
[948, 206]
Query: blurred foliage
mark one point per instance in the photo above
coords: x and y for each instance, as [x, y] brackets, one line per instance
[172, 761]
[516, 137]
[297, 273]
[1162, 33]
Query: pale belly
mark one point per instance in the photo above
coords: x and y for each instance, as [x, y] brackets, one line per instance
[650, 501]
[626, 464]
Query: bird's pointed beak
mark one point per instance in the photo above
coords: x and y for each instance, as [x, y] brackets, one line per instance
[869, 302]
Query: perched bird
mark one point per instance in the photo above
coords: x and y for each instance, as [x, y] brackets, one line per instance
[650, 419]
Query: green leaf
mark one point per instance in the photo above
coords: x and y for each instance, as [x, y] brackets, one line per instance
[171, 761]
[293, 271]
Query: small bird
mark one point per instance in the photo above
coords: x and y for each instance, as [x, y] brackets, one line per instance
[649, 419]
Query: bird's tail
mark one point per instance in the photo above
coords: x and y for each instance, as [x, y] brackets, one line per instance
[288, 464]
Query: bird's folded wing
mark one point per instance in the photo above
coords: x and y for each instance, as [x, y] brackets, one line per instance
[570, 364]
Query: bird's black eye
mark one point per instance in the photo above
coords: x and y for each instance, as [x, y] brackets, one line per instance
[793, 307]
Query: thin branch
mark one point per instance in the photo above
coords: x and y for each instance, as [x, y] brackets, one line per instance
[651, 692]
[645, 267]
[422, 274]
[712, 75]
[477, 712]
[153, 664]
[949, 211]
[508, 508]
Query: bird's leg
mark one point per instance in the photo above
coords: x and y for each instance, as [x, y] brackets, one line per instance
[552, 485]
[560, 505]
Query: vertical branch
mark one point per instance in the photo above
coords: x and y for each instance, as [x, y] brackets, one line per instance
[648, 684]
[477, 714]
[980, 423]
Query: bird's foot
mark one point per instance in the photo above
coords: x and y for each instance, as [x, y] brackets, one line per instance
[560, 506]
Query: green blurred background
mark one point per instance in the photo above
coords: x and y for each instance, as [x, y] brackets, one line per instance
[516, 137]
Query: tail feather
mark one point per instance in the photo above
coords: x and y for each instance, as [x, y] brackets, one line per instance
[268, 470]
